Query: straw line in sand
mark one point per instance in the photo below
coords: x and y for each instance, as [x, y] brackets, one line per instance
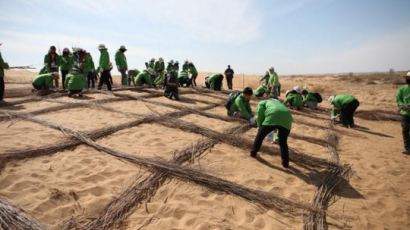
[119, 209]
[95, 134]
[12, 217]
[268, 200]
[334, 178]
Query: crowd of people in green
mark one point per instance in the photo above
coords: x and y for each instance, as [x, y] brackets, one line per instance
[272, 116]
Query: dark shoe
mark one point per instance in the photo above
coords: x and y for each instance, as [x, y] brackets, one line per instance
[406, 152]
[285, 164]
[253, 154]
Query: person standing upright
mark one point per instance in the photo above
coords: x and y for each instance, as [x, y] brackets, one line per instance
[122, 66]
[51, 62]
[104, 67]
[67, 62]
[229, 76]
[274, 83]
[3, 65]
[403, 102]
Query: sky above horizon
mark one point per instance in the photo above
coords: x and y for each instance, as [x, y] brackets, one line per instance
[294, 36]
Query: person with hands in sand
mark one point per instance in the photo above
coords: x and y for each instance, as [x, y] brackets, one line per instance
[273, 115]
[238, 105]
[344, 107]
[43, 83]
[403, 102]
[293, 98]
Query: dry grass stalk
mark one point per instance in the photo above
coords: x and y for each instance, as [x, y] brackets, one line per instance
[298, 158]
[119, 209]
[94, 134]
[189, 174]
[335, 175]
[12, 217]
[265, 199]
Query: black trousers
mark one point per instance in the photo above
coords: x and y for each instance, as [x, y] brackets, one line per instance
[229, 81]
[91, 80]
[63, 75]
[405, 125]
[347, 113]
[1, 88]
[263, 131]
[171, 90]
[193, 79]
[105, 79]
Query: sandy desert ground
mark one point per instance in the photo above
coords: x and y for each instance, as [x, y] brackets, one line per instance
[64, 183]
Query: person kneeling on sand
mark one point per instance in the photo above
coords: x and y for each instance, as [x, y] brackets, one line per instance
[311, 99]
[293, 98]
[344, 106]
[214, 81]
[238, 104]
[74, 82]
[261, 91]
[43, 83]
[273, 115]
[403, 102]
[145, 78]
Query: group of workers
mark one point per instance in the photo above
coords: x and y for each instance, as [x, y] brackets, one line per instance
[272, 114]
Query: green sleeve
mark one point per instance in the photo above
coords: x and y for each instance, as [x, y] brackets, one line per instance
[260, 112]
[399, 97]
[104, 61]
[243, 107]
[45, 59]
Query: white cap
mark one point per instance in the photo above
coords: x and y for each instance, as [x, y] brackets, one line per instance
[331, 99]
[101, 46]
[407, 75]
[297, 89]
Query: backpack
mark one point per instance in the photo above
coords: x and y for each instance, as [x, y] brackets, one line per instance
[318, 97]
[231, 99]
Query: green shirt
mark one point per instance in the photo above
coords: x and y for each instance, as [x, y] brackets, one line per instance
[294, 98]
[45, 80]
[183, 75]
[143, 78]
[260, 91]
[52, 64]
[403, 99]
[339, 102]
[309, 97]
[159, 66]
[104, 60]
[121, 60]
[66, 62]
[212, 79]
[192, 69]
[271, 112]
[273, 79]
[89, 66]
[74, 81]
[240, 104]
